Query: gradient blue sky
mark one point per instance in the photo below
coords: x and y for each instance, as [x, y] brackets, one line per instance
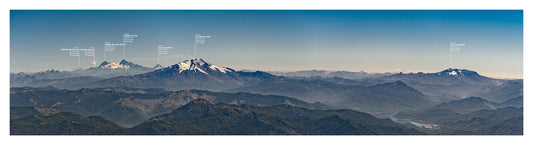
[351, 40]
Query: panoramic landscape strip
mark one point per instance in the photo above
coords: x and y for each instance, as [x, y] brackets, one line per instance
[266, 72]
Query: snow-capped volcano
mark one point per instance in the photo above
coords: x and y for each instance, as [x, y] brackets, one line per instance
[199, 65]
[157, 66]
[112, 69]
[455, 72]
[447, 76]
[118, 65]
[189, 74]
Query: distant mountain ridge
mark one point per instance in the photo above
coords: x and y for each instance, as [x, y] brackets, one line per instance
[499, 93]
[468, 105]
[443, 86]
[129, 94]
[25, 79]
[104, 70]
[380, 99]
[123, 64]
[329, 74]
[189, 74]
[112, 69]
[450, 111]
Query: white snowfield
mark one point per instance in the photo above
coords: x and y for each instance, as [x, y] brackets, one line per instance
[196, 64]
[115, 65]
[453, 73]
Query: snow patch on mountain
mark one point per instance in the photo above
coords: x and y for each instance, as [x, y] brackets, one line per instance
[192, 64]
[216, 68]
[113, 65]
[200, 65]
[120, 65]
[452, 73]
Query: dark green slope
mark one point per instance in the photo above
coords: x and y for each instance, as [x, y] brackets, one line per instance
[336, 125]
[202, 117]
[484, 126]
[502, 121]
[129, 107]
[63, 123]
[297, 114]
[453, 110]
[19, 112]
[473, 116]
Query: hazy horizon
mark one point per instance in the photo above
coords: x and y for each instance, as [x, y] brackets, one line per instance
[284, 71]
[375, 41]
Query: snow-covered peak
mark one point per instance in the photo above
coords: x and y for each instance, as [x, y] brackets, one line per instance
[452, 73]
[124, 62]
[197, 64]
[457, 72]
[157, 66]
[113, 65]
[192, 64]
[117, 65]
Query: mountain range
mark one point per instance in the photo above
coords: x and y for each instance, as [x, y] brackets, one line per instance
[373, 95]
[444, 86]
[504, 121]
[472, 115]
[60, 78]
[204, 118]
[111, 69]
[137, 98]
[381, 99]
[129, 106]
[189, 74]
[499, 93]
[329, 74]
[201, 117]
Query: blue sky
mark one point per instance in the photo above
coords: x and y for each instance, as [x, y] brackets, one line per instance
[351, 40]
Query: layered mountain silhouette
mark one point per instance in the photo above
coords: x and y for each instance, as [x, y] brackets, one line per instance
[26, 79]
[503, 121]
[63, 123]
[499, 93]
[380, 99]
[450, 110]
[189, 74]
[467, 105]
[112, 69]
[515, 102]
[472, 115]
[329, 74]
[443, 86]
[164, 100]
[68, 79]
[130, 106]
[204, 118]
